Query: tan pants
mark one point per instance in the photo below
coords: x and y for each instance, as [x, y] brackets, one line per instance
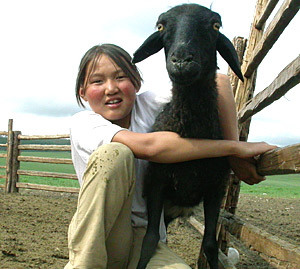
[100, 234]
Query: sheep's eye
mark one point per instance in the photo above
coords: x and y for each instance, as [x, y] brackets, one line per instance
[160, 27]
[216, 26]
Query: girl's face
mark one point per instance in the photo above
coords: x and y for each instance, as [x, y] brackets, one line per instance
[110, 92]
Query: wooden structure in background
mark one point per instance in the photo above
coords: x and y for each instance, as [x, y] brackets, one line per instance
[14, 158]
[279, 161]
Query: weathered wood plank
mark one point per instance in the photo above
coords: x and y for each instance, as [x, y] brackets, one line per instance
[266, 13]
[15, 164]
[283, 17]
[45, 147]
[223, 259]
[47, 188]
[47, 174]
[197, 225]
[245, 90]
[287, 79]
[3, 145]
[239, 44]
[262, 241]
[2, 176]
[3, 155]
[280, 161]
[35, 137]
[9, 157]
[44, 160]
[2, 166]
[3, 133]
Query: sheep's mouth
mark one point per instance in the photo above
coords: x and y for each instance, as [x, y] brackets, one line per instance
[183, 78]
[183, 75]
[182, 81]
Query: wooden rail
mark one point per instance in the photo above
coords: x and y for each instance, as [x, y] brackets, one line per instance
[283, 17]
[286, 80]
[266, 13]
[37, 137]
[46, 188]
[44, 160]
[262, 241]
[280, 161]
[44, 147]
[14, 158]
[257, 239]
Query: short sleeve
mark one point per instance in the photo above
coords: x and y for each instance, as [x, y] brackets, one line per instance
[88, 131]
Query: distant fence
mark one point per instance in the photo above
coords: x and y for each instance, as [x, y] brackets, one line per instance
[13, 159]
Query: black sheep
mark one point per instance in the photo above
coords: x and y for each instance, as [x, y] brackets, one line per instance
[190, 36]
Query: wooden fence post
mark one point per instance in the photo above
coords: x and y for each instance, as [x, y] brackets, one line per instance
[9, 152]
[15, 162]
[244, 93]
[239, 44]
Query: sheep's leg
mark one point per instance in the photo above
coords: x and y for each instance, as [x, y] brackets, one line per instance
[210, 245]
[151, 238]
[167, 220]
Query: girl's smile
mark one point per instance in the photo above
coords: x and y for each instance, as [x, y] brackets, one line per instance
[109, 92]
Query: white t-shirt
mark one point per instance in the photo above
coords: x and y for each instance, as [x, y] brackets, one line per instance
[90, 130]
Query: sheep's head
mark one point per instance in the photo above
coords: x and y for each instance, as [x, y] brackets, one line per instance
[190, 37]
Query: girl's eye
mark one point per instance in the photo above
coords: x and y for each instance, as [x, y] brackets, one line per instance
[120, 77]
[97, 81]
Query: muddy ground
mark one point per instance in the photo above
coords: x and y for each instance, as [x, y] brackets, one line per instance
[33, 229]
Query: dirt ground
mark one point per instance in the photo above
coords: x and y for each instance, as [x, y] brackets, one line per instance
[33, 229]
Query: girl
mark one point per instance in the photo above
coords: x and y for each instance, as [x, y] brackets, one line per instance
[110, 148]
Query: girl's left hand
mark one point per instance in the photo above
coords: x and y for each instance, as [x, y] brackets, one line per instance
[245, 170]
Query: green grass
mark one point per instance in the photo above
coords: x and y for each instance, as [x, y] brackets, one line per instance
[48, 167]
[287, 186]
[45, 167]
[284, 186]
[59, 182]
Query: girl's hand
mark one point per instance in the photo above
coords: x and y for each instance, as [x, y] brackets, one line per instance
[245, 170]
[252, 149]
[243, 164]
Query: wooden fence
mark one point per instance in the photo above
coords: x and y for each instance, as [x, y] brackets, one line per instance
[14, 158]
[280, 161]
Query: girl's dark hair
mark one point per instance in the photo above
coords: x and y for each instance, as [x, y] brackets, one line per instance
[117, 54]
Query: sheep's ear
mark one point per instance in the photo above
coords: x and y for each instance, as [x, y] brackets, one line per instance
[151, 45]
[228, 52]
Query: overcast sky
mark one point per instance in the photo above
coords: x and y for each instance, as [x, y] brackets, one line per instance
[42, 43]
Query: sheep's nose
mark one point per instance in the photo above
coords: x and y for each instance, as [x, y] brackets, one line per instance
[181, 60]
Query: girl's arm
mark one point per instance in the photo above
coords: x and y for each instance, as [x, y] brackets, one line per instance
[244, 168]
[169, 147]
[227, 108]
